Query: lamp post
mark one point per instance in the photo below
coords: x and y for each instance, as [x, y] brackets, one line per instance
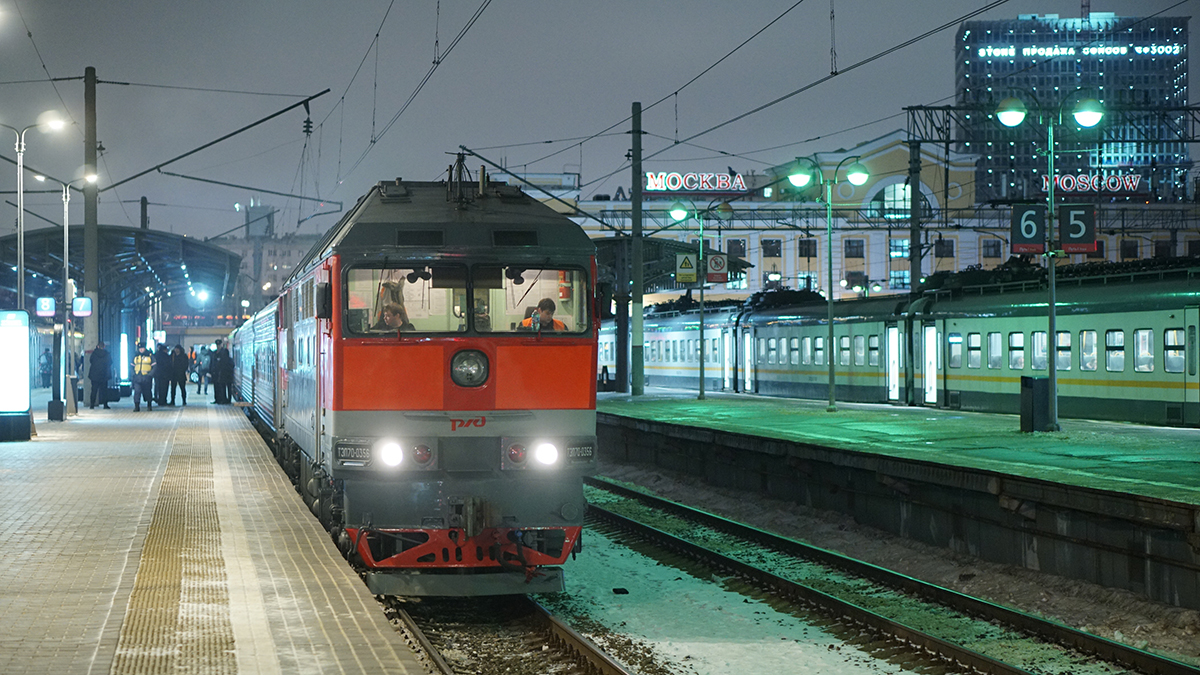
[66, 360]
[857, 174]
[54, 125]
[679, 213]
[1088, 113]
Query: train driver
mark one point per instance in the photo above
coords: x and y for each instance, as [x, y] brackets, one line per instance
[394, 318]
[543, 317]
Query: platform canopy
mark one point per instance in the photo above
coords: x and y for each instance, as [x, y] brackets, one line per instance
[134, 263]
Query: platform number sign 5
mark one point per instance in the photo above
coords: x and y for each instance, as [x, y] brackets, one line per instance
[1077, 228]
[1028, 229]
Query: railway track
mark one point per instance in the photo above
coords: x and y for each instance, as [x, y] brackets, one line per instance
[963, 632]
[513, 635]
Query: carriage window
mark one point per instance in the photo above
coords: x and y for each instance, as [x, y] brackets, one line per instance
[783, 351]
[873, 350]
[526, 299]
[1062, 351]
[806, 356]
[771, 350]
[795, 351]
[845, 350]
[1173, 350]
[819, 351]
[1143, 350]
[762, 350]
[384, 301]
[995, 351]
[955, 355]
[974, 350]
[860, 350]
[1016, 351]
[1087, 350]
[1040, 358]
[1114, 351]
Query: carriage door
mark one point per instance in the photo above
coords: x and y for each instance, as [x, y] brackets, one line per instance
[1191, 392]
[893, 363]
[726, 346]
[929, 350]
[748, 362]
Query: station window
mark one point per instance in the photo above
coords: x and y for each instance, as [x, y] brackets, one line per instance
[1062, 351]
[1173, 357]
[1039, 358]
[991, 248]
[771, 350]
[806, 248]
[819, 351]
[860, 350]
[1114, 351]
[1087, 350]
[844, 358]
[783, 351]
[806, 351]
[954, 353]
[1143, 350]
[995, 350]
[795, 351]
[854, 248]
[1016, 351]
[873, 350]
[772, 248]
[974, 349]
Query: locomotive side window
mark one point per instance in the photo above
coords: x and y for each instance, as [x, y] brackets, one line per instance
[515, 298]
[1114, 351]
[954, 357]
[383, 301]
[1062, 351]
[995, 351]
[1143, 350]
[1016, 351]
[974, 349]
[1087, 350]
[1039, 359]
[1173, 359]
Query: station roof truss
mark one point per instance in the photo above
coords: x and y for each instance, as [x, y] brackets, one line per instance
[134, 263]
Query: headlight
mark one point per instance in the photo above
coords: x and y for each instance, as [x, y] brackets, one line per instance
[390, 453]
[469, 368]
[546, 453]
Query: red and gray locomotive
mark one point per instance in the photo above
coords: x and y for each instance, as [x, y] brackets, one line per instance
[426, 378]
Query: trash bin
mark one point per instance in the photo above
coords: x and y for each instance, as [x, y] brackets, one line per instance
[1035, 404]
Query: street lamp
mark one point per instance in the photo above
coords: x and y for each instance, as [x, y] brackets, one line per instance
[857, 174]
[1087, 113]
[53, 125]
[66, 199]
[679, 213]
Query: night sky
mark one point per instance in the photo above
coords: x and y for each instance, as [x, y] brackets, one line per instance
[524, 73]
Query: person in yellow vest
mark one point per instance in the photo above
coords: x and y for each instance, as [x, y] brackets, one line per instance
[142, 382]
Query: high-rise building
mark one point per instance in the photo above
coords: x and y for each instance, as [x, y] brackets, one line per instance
[1120, 61]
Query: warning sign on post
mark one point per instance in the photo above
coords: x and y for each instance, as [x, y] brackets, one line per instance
[685, 268]
[718, 272]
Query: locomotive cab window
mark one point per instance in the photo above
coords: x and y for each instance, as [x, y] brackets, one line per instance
[383, 301]
[520, 299]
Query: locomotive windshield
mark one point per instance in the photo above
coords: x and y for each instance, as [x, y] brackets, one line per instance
[502, 299]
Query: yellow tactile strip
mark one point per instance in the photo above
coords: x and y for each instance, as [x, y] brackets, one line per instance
[178, 614]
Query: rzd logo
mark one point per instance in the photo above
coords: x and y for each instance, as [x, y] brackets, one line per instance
[456, 424]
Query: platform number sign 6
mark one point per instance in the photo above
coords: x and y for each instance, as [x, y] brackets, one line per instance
[1077, 225]
[1028, 229]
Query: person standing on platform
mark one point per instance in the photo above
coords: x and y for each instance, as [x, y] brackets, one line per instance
[221, 368]
[179, 373]
[143, 364]
[100, 372]
[46, 367]
[162, 374]
[203, 358]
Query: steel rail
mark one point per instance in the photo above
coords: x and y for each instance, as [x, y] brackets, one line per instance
[1099, 647]
[431, 652]
[587, 653]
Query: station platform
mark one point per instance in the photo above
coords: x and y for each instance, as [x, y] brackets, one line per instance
[1111, 503]
[171, 541]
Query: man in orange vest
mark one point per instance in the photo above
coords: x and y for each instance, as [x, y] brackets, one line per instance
[543, 318]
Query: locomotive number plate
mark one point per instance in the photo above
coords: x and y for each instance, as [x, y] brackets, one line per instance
[353, 452]
[580, 451]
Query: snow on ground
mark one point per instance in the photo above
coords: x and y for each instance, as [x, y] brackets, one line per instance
[695, 622]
